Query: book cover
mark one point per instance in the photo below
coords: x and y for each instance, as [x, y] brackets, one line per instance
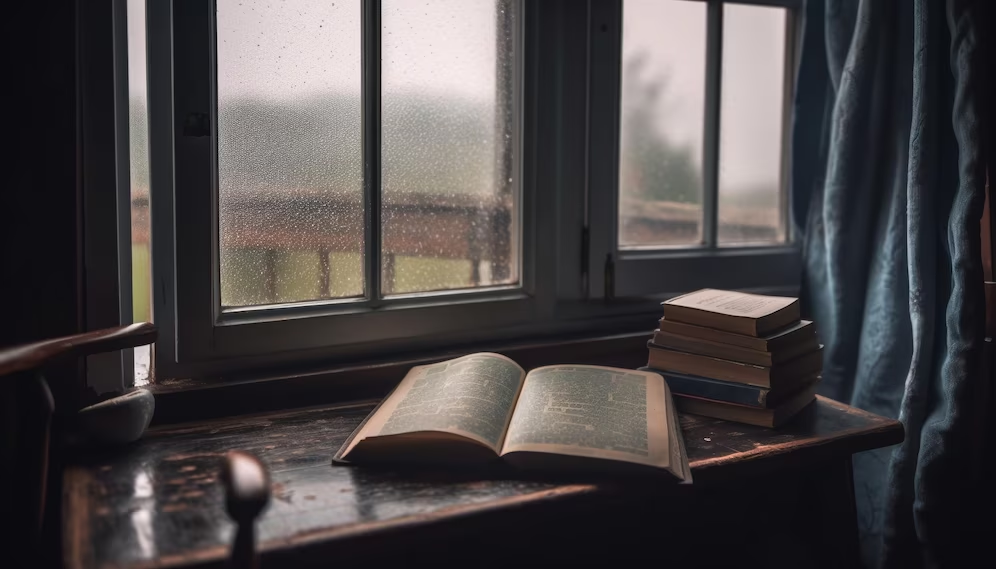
[771, 417]
[733, 311]
[783, 375]
[484, 407]
[798, 332]
[691, 385]
[710, 348]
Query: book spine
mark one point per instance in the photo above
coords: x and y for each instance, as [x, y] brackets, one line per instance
[715, 368]
[738, 393]
[707, 348]
[736, 413]
[710, 334]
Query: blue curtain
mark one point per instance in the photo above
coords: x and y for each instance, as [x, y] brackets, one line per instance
[887, 184]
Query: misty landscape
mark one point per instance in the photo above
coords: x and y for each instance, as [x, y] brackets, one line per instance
[290, 180]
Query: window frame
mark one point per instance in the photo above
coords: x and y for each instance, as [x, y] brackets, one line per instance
[205, 333]
[619, 272]
[104, 174]
[562, 250]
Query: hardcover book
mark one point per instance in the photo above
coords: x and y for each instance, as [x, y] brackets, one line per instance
[703, 347]
[727, 391]
[783, 338]
[772, 417]
[779, 376]
[731, 311]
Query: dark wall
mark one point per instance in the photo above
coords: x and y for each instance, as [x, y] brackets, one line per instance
[39, 219]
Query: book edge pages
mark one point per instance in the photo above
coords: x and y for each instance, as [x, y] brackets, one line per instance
[696, 332]
[758, 376]
[685, 475]
[761, 393]
[809, 382]
[810, 389]
[797, 361]
[771, 316]
[653, 346]
[744, 339]
[733, 351]
[337, 458]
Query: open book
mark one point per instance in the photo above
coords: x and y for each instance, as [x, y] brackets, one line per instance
[483, 406]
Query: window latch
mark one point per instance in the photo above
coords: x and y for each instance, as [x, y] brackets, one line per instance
[197, 124]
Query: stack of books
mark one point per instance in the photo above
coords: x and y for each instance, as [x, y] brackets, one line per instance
[737, 356]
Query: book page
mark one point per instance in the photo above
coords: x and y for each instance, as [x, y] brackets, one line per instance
[592, 411]
[679, 458]
[472, 396]
[732, 303]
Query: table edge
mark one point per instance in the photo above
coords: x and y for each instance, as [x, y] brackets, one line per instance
[75, 479]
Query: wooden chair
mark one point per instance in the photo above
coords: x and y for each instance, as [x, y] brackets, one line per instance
[247, 492]
[29, 443]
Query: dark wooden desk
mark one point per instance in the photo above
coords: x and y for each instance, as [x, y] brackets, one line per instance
[760, 496]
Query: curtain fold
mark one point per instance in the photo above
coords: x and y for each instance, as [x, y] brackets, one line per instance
[891, 183]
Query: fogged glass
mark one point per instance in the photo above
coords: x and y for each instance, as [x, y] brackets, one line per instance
[750, 155]
[661, 124]
[138, 155]
[290, 169]
[449, 212]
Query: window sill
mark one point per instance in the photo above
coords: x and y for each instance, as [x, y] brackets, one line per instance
[183, 400]
[587, 332]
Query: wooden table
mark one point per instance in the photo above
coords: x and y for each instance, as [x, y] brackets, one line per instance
[760, 496]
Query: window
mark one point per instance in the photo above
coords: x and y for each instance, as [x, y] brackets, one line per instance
[702, 95]
[138, 181]
[662, 125]
[291, 153]
[339, 180]
[345, 173]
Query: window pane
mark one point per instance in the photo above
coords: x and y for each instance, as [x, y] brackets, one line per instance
[662, 108]
[290, 164]
[138, 157]
[449, 214]
[750, 154]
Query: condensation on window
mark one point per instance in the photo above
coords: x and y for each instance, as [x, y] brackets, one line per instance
[138, 156]
[290, 164]
[662, 115]
[450, 205]
[751, 122]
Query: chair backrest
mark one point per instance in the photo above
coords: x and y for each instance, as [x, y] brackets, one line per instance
[26, 419]
[246, 482]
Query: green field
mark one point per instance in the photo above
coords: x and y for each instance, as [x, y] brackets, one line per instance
[141, 287]
[297, 275]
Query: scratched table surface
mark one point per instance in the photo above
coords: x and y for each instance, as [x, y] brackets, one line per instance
[158, 503]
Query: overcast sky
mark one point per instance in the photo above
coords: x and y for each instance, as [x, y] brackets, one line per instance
[443, 46]
[672, 33]
[295, 48]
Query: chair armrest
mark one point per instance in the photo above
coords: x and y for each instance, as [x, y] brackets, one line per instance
[40, 354]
